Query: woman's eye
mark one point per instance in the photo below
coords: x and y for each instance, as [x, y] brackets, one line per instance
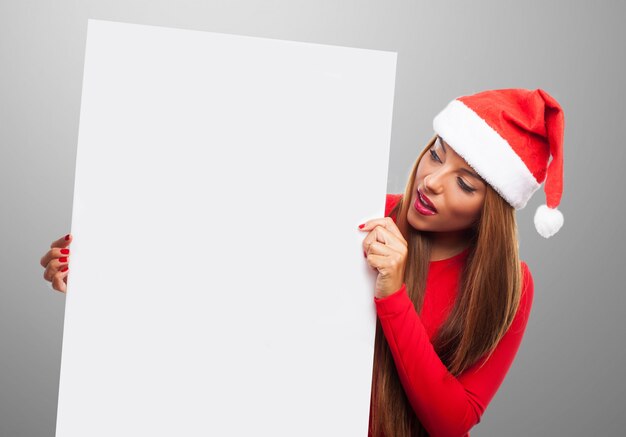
[434, 155]
[465, 187]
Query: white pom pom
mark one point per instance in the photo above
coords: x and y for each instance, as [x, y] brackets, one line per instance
[548, 221]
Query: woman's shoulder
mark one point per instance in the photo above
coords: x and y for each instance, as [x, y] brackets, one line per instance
[391, 202]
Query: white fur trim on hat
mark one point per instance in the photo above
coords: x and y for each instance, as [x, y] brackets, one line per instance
[548, 221]
[487, 152]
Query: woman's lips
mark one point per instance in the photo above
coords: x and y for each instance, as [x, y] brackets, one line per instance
[423, 204]
[427, 200]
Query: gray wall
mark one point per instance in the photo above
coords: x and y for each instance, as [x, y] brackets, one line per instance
[565, 379]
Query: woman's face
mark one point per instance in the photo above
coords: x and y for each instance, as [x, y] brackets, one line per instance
[452, 186]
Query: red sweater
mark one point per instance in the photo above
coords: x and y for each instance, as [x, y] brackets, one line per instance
[445, 405]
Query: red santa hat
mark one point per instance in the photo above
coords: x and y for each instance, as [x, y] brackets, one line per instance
[508, 136]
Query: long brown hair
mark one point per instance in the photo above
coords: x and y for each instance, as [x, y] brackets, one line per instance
[487, 300]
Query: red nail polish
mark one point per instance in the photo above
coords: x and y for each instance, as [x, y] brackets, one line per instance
[65, 251]
[67, 237]
[64, 268]
[63, 259]
[361, 226]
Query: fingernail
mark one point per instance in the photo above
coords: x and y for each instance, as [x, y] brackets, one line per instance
[65, 251]
[361, 225]
[67, 237]
[63, 259]
[64, 268]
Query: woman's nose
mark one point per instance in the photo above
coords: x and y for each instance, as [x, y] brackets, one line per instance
[432, 184]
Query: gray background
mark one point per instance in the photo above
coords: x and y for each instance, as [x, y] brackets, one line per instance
[566, 379]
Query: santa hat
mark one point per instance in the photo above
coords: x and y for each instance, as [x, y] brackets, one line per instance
[508, 136]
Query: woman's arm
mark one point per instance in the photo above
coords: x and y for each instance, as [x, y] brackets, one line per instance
[447, 406]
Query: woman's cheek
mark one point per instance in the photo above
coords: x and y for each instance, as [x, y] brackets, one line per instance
[462, 210]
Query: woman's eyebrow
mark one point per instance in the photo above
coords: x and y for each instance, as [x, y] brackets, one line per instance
[471, 173]
[466, 170]
[444, 147]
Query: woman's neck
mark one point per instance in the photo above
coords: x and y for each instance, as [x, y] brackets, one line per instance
[447, 244]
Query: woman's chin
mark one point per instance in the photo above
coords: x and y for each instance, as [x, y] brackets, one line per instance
[417, 221]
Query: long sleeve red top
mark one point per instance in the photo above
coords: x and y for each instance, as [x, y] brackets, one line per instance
[445, 405]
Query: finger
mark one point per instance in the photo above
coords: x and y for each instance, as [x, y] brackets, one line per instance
[55, 265]
[384, 236]
[62, 242]
[388, 263]
[58, 281]
[378, 262]
[380, 249]
[53, 258]
[55, 250]
[385, 222]
[373, 237]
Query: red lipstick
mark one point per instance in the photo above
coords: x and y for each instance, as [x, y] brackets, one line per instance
[424, 205]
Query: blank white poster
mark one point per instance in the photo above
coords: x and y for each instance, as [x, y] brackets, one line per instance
[218, 285]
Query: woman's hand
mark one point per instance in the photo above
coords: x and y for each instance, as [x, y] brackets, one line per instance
[56, 261]
[386, 250]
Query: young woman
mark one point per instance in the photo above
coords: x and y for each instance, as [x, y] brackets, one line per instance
[452, 296]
